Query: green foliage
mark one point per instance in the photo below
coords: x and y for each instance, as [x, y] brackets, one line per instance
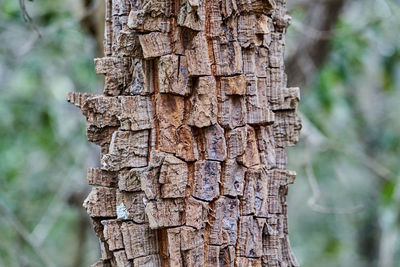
[348, 156]
[43, 148]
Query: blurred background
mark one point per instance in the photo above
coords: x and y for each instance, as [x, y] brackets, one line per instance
[344, 205]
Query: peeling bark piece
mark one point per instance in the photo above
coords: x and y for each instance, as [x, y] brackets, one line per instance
[286, 128]
[224, 226]
[127, 150]
[149, 182]
[121, 259]
[258, 112]
[173, 75]
[128, 45]
[284, 99]
[130, 206]
[279, 178]
[98, 227]
[235, 85]
[251, 156]
[149, 178]
[236, 142]
[194, 257]
[99, 177]
[118, 72]
[173, 177]
[196, 213]
[255, 196]
[101, 202]
[142, 80]
[197, 58]
[228, 58]
[250, 235]
[100, 136]
[129, 179]
[139, 240]
[233, 179]
[165, 213]
[170, 111]
[78, 98]
[136, 113]
[232, 105]
[204, 106]
[289, 177]
[155, 44]
[140, 21]
[186, 148]
[206, 179]
[247, 30]
[233, 112]
[101, 111]
[266, 145]
[192, 14]
[147, 261]
[157, 158]
[215, 145]
[112, 234]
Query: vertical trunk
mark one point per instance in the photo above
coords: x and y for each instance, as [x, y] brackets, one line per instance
[192, 127]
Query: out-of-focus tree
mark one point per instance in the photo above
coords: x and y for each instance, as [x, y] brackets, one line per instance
[311, 46]
[350, 106]
[42, 164]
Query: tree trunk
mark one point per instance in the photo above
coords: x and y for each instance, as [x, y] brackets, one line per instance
[192, 127]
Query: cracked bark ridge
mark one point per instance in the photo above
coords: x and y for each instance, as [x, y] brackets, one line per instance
[192, 126]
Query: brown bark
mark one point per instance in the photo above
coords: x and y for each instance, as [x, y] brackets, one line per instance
[193, 126]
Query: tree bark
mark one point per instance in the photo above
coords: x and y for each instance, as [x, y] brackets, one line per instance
[193, 126]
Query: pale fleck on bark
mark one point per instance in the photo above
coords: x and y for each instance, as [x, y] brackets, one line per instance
[193, 126]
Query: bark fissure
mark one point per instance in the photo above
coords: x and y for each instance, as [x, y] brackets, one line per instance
[193, 126]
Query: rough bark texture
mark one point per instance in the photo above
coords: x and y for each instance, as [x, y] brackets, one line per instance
[193, 126]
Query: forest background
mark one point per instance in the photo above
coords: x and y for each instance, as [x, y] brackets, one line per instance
[344, 206]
